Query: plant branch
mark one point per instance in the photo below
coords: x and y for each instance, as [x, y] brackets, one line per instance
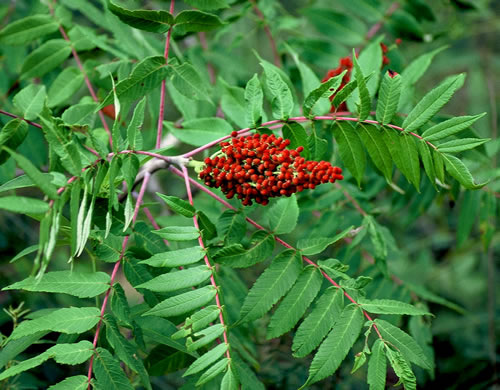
[377, 26]
[278, 240]
[187, 179]
[267, 30]
[163, 84]
[18, 117]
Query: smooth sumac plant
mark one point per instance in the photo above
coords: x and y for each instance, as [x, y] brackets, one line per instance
[130, 122]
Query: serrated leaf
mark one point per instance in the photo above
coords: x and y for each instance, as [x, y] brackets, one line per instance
[417, 68]
[147, 20]
[325, 90]
[207, 359]
[317, 147]
[178, 233]
[237, 256]
[200, 131]
[402, 369]
[282, 103]
[188, 82]
[173, 281]
[108, 372]
[229, 381]
[336, 346]
[365, 100]
[377, 366]
[183, 303]
[404, 342]
[450, 127]
[274, 282]
[77, 382]
[377, 149]
[208, 4]
[134, 135]
[460, 172]
[24, 365]
[388, 98]
[177, 258]
[359, 361]
[314, 245]
[25, 30]
[195, 21]
[178, 205]
[319, 322]
[30, 100]
[232, 226]
[82, 285]
[254, 99]
[23, 205]
[12, 135]
[342, 95]
[205, 337]
[119, 304]
[460, 145]
[233, 103]
[432, 103]
[72, 353]
[146, 76]
[405, 155]
[296, 302]
[389, 306]
[297, 136]
[213, 371]
[82, 114]
[426, 156]
[201, 319]
[64, 87]
[67, 320]
[351, 149]
[283, 215]
[45, 58]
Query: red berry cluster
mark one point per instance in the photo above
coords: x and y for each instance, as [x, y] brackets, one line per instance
[259, 167]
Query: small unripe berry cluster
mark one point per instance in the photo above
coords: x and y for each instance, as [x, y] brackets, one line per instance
[259, 167]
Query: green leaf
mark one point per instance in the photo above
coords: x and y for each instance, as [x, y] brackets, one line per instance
[178, 233]
[351, 149]
[42, 60]
[460, 145]
[196, 21]
[67, 320]
[450, 127]
[12, 135]
[405, 154]
[388, 98]
[178, 205]
[319, 322]
[377, 366]
[30, 100]
[232, 226]
[72, 353]
[336, 346]
[297, 136]
[254, 100]
[201, 131]
[178, 280]
[207, 359]
[188, 82]
[314, 245]
[25, 30]
[296, 302]
[134, 135]
[283, 215]
[64, 87]
[236, 256]
[426, 156]
[274, 282]
[469, 211]
[208, 4]
[378, 241]
[153, 21]
[34, 174]
[183, 303]
[389, 306]
[146, 76]
[177, 258]
[213, 371]
[209, 334]
[377, 149]
[208, 229]
[160, 330]
[77, 382]
[282, 103]
[422, 292]
[365, 100]
[233, 103]
[317, 147]
[24, 365]
[404, 342]
[14, 347]
[402, 369]
[108, 372]
[325, 90]
[82, 114]
[417, 68]
[460, 172]
[23, 181]
[23, 205]
[229, 381]
[119, 304]
[342, 95]
[432, 103]
[78, 284]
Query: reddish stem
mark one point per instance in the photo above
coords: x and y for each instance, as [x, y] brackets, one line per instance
[277, 239]
[267, 30]
[187, 179]
[163, 84]
[377, 26]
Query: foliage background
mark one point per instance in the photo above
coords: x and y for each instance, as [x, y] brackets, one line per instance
[437, 240]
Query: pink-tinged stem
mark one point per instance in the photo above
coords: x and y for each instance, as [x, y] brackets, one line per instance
[187, 179]
[86, 78]
[140, 198]
[18, 117]
[377, 26]
[278, 240]
[267, 30]
[163, 84]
